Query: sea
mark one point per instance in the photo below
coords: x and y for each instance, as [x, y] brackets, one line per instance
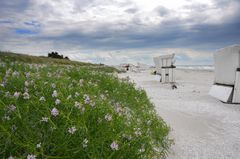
[196, 67]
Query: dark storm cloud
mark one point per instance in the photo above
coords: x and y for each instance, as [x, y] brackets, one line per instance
[9, 8]
[170, 34]
[5, 22]
[162, 11]
[13, 5]
[216, 35]
[131, 10]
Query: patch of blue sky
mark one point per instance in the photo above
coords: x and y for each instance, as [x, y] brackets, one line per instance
[22, 31]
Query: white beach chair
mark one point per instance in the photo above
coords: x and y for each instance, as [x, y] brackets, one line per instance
[226, 86]
[165, 68]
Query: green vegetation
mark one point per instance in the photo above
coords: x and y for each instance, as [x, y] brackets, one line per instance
[61, 109]
[9, 56]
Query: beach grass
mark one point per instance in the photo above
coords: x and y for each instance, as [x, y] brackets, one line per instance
[53, 108]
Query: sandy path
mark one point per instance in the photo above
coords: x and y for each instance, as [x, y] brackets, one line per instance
[202, 127]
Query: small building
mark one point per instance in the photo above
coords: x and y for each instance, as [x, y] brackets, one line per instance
[226, 85]
[164, 65]
[128, 67]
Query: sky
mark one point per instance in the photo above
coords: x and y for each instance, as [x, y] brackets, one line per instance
[120, 31]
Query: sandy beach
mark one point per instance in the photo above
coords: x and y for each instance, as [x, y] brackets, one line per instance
[202, 127]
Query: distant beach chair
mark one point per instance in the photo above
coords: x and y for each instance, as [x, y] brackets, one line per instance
[134, 68]
[142, 67]
[164, 65]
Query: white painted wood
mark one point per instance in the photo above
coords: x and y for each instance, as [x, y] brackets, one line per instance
[163, 76]
[227, 60]
[236, 93]
[166, 75]
[171, 75]
[223, 93]
[158, 64]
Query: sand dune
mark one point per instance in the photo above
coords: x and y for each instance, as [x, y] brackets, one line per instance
[202, 127]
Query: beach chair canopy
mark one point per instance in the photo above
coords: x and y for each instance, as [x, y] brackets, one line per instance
[163, 61]
[227, 60]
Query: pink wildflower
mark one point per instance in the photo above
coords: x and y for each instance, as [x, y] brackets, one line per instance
[10, 157]
[53, 85]
[26, 95]
[38, 145]
[42, 99]
[26, 83]
[55, 94]
[78, 105]
[54, 112]
[16, 94]
[114, 145]
[31, 157]
[85, 143]
[44, 119]
[69, 97]
[108, 117]
[72, 130]
[57, 102]
[76, 94]
[12, 108]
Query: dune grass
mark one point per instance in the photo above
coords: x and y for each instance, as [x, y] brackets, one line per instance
[51, 110]
[9, 56]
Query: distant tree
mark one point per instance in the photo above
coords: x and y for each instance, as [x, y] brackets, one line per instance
[56, 55]
[66, 58]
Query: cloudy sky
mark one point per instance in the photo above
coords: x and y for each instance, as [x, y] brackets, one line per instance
[120, 31]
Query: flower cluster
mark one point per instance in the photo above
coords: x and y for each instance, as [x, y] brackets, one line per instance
[54, 94]
[54, 112]
[108, 117]
[114, 146]
[85, 143]
[72, 130]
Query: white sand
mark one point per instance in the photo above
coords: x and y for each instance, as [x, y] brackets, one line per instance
[202, 127]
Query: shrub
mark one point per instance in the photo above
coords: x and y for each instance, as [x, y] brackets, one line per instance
[57, 56]
[56, 111]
